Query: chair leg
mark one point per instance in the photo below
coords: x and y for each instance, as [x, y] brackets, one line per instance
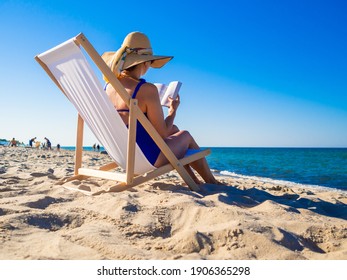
[79, 144]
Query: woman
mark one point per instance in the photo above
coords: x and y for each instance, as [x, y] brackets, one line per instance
[130, 63]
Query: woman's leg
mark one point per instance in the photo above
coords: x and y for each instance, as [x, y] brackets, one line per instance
[192, 174]
[174, 130]
[179, 143]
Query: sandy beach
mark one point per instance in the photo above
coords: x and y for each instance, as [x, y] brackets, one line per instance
[161, 219]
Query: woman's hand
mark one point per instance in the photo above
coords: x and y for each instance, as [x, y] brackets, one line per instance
[174, 103]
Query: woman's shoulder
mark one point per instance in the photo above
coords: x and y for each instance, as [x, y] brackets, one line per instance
[149, 88]
[149, 85]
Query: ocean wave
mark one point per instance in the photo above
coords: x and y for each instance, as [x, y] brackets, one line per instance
[276, 181]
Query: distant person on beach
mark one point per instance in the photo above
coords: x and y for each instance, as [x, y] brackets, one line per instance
[94, 147]
[48, 144]
[129, 64]
[37, 144]
[31, 141]
[13, 142]
[58, 147]
[98, 148]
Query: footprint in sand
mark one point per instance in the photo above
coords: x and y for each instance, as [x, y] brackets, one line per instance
[52, 222]
[44, 202]
[39, 174]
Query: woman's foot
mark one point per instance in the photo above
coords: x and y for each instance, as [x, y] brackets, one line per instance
[214, 181]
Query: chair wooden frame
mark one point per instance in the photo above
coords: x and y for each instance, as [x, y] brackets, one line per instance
[129, 179]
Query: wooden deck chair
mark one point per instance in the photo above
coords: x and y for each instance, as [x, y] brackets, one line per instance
[69, 68]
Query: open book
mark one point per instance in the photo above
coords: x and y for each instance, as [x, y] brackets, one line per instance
[166, 91]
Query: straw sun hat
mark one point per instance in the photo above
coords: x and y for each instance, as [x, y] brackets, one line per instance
[136, 48]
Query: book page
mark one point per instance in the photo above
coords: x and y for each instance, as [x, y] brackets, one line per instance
[168, 91]
[161, 89]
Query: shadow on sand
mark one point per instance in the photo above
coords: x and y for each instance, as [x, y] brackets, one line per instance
[253, 197]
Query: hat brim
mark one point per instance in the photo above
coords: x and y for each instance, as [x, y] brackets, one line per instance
[134, 59]
[158, 61]
[161, 61]
[107, 57]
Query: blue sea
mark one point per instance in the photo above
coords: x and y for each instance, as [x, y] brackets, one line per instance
[316, 167]
[325, 167]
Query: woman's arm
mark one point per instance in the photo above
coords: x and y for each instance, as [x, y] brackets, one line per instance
[150, 99]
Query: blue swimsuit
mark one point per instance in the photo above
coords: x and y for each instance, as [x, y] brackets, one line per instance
[143, 139]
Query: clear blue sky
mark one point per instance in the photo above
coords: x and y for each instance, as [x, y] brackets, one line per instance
[254, 73]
